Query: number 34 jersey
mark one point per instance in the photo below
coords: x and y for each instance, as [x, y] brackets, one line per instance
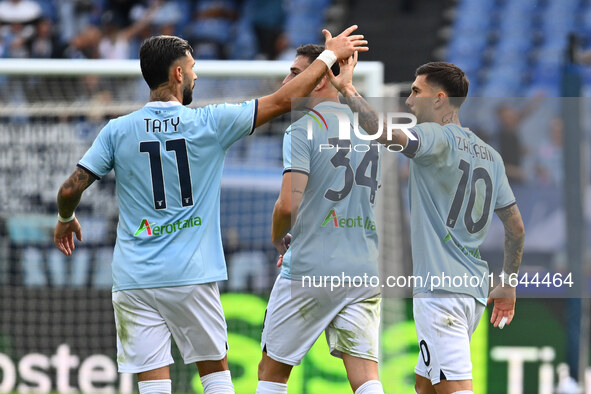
[456, 182]
[335, 229]
[168, 161]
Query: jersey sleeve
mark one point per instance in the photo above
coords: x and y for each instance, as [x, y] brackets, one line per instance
[296, 151]
[98, 160]
[234, 121]
[505, 197]
[432, 142]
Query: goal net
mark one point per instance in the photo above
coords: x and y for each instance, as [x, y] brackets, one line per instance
[57, 331]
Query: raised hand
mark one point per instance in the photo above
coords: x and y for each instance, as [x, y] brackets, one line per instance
[504, 304]
[345, 77]
[344, 45]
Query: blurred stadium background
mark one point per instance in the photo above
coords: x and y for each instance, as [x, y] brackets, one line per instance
[522, 56]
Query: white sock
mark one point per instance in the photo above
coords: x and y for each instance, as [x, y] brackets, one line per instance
[271, 388]
[463, 392]
[162, 386]
[370, 387]
[217, 383]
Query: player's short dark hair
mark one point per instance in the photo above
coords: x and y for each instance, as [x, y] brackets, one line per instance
[312, 51]
[157, 55]
[449, 77]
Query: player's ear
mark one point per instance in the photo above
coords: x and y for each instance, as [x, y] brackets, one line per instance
[440, 99]
[322, 83]
[177, 74]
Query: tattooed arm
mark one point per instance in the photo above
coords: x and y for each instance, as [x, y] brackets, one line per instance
[68, 198]
[514, 237]
[504, 296]
[286, 207]
[369, 119]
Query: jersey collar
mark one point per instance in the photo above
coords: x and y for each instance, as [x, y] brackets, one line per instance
[331, 104]
[162, 104]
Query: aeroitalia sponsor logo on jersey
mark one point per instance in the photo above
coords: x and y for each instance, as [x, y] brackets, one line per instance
[154, 229]
[333, 220]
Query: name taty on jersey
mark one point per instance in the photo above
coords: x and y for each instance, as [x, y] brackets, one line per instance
[333, 218]
[474, 150]
[153, 229]
[162, 125]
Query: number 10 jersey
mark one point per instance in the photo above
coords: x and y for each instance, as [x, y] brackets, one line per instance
[456, 182]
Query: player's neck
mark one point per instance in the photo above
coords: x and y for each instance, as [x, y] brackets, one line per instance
[314, 101]
[163, 93]
[449, 116]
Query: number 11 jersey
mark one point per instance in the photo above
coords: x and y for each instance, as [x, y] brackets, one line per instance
[168, 161]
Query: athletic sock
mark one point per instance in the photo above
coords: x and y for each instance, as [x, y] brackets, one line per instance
[370, 387]
[162, 386]
[271, 388]
[217, 383]
[463, 392]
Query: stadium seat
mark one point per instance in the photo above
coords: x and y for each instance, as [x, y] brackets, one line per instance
[506, 42]
[304, 21]
[48, 9]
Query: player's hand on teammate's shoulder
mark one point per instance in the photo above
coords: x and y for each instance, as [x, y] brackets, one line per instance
[345, 44]
[503, 311]
[63, 237]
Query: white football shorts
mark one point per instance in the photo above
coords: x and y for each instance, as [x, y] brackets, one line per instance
[445, 324]
[146, 318]
[294, 323]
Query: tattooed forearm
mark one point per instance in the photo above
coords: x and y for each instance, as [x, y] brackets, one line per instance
[513, 253]
[514, 237]
[372, 122]
[70, 192]
[368, 118]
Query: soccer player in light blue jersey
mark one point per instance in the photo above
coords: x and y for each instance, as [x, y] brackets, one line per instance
[327, 201]
[456, 182]
[168, 255]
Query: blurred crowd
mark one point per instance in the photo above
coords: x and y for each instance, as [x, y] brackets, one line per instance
[114, 29]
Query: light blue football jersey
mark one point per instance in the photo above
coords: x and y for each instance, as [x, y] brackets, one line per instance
[456, 183]
[335, 229]
[168, 161]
